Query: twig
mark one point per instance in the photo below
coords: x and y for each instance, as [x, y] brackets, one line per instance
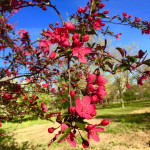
[40, 4]
[69, 80]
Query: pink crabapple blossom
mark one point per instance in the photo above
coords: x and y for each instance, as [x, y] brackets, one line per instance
[128, 85]
[92, 132]
[70, 137]
[80, 51]
[85, 108]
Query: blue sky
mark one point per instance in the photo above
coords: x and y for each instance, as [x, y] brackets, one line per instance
[35, 19]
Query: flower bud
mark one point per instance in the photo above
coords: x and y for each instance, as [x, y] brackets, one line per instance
[52, 55]
[129, 16]
[94, 98]
[57, 23]
[86, 37]
[101, 5]
[33, 96]
[72, 93]
[90, 126]
[85, 143]
[66, 43]
[50, 130]
[90, 18]
[76, 42]
[70, 26]
[105, 122]
[125, 15]
[128, 85]
[95, 14]
[44, 7]
[93, 113]
[75, 36]
[72, 110]
[106, 12]
[85, 9]
[80, 10]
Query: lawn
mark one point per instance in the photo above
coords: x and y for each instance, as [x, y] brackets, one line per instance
[129, 128]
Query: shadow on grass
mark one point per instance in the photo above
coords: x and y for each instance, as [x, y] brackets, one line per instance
[26, 118]
[130, 118]
[145, 103]
[7, 142]
[148, 143]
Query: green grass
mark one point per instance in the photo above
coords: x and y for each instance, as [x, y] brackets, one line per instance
[121, 121]
[122, 118]
[15, 126]
[116, 109]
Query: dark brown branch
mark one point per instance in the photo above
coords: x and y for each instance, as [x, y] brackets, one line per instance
[40, 4]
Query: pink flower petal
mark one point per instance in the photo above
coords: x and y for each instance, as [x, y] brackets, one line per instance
[76, 50]
[95, 137]
[97, 129]
[86, 50]
[82, 59]
[86, 100]
[71, 139]
[63, 127]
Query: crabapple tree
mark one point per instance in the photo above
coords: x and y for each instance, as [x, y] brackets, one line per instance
[73, 55]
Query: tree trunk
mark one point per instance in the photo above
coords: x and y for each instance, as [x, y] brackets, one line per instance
[122, 103]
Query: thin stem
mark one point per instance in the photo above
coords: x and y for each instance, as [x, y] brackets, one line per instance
[69, 80]
[127, 77]
[115, 22]
[40, 4]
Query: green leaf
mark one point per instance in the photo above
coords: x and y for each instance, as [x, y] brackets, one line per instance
[123, 68]
[101, 15]
[76, 20]
[115, 68]
[93, 11]
[96, 60]
[70, 38]
[93, 6]
[93, 45]
[108, 31]
[109, 64]
[43, 76]
[103, 68]
[38, 38]
[115, 16]
[119, 18]
[77, 31]
[89, 45]
[81, 125]
[92, 32]
[106, 58]
[132, 58]
[147, 62]
[66, 132]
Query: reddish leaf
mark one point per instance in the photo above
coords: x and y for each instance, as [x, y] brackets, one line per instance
[52, 115]
[122, 51]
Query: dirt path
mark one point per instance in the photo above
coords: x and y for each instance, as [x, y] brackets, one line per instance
[134, 141]
[140, 111]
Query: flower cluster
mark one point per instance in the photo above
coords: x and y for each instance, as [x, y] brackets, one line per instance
[96, 87]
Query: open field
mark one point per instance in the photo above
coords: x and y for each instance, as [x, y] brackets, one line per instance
[129, 129]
